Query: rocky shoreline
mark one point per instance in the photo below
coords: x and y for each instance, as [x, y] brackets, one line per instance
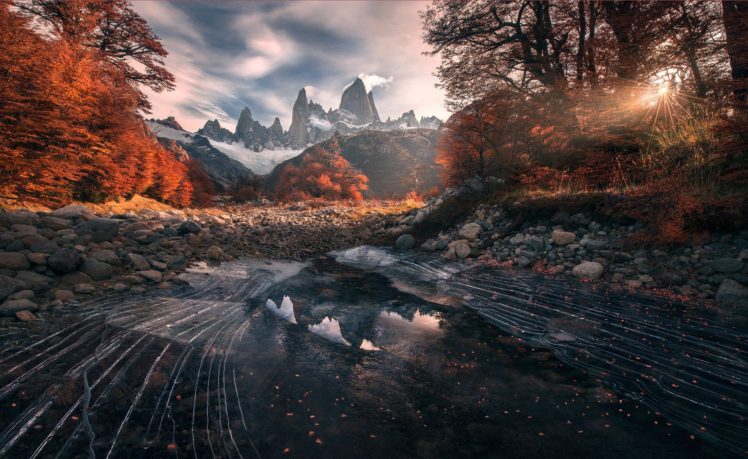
[48, 259]
[579, 246]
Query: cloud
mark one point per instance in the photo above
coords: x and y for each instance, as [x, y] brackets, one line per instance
[373, 80]
[229, 55]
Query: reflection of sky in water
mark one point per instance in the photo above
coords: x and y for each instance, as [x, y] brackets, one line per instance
[207, 370]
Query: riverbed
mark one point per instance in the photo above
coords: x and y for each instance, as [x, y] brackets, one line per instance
[372, 353]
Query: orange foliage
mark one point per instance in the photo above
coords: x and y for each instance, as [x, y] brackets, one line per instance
[323, 173]
[69, 127]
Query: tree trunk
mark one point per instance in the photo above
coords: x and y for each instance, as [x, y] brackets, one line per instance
[735, 15]
[591, 59]
[582, 36]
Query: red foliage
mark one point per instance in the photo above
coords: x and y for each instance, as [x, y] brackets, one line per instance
[323, 173]
[69, 127]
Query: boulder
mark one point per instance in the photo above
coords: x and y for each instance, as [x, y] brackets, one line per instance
[151, 274]
[76, 278]
[138, 261]
[727, 265]
[65, 260]
[561, 237]
[105, 256]
[22, 217]
[96, 269]
[38, 243]
[100, 229]
[176, 262]
[588, 270]
[405, 242]
[214, 253]
[22, 295]
[461, 248]
[189, 227]
[56, 223]
[14, 260]
[8, 285]
[732, 293]
[25, 316]
[84, 288]
[71, 211]
[34, 281]
[11, 307]
[470, 231]
[64, 295]
[37, 258]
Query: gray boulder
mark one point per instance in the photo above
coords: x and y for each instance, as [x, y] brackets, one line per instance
[561, 237]
[470, 231]
[100, 229]
[34, 281]
[11, 307]
[405, 242]
[138, 261]
[8, 285]
[73, 210]
[189, 226]
[65, 260]
[727, 265]
[732, 293]
[588, 270]
[96, 269]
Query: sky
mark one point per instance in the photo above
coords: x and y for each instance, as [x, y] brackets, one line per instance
[260, 54]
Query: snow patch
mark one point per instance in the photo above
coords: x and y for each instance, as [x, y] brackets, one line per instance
[320, 123]
[285, 311]
[367, 345]
[259, 162]
[169, 133]
[330, 330]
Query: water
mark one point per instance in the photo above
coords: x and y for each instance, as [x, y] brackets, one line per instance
[390, 356]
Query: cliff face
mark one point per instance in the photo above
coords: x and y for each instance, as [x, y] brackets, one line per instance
[356, 101]
[297, 132]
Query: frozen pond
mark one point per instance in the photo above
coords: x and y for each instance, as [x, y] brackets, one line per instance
[367, 353]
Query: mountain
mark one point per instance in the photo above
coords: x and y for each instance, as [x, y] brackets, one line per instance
[356, 101]
[395, 162]
[223, 171]
[311, 124]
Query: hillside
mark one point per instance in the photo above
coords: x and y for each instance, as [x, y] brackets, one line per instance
[395, 162]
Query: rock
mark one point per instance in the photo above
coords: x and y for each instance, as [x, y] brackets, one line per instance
[10, 307]
[76, 278]
[22, 295]
[517, 239]
[189, 226]
[588, 270]
[727, 265]
[214, 253]
[634, 283]
[535, 242]
[561, 237]
[8, 285]
[56, 223]
[523, 262]
[137, 226]
[25, 316]
[470, 231]
[37, 258]
[138, 261]
[119, 287]
[71, 211]
[100, 229]
[405, 242]
[37, 243]
[596, 244]
[461, 248]
[14, 260]
[84, 288]
[34, 281]
[22, 217]
[732, 293]
[151, 275]
[176, 262]
[24, 230]
[105, 256]
[64, 295]
[96, 269]
[65, 260]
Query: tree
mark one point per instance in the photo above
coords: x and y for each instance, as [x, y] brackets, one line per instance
[115, 30]
[323, 173]
[735, 14]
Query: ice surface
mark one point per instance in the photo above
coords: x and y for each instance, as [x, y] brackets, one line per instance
[169, 133]
[330, 330]
[285, 311]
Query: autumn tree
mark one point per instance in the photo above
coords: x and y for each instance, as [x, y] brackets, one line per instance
[322, 173]
[735, 15]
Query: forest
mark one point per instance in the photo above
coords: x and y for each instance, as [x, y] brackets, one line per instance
[642, 100]
[71, 100]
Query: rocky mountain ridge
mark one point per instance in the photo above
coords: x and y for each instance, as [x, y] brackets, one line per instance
[311, 124]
